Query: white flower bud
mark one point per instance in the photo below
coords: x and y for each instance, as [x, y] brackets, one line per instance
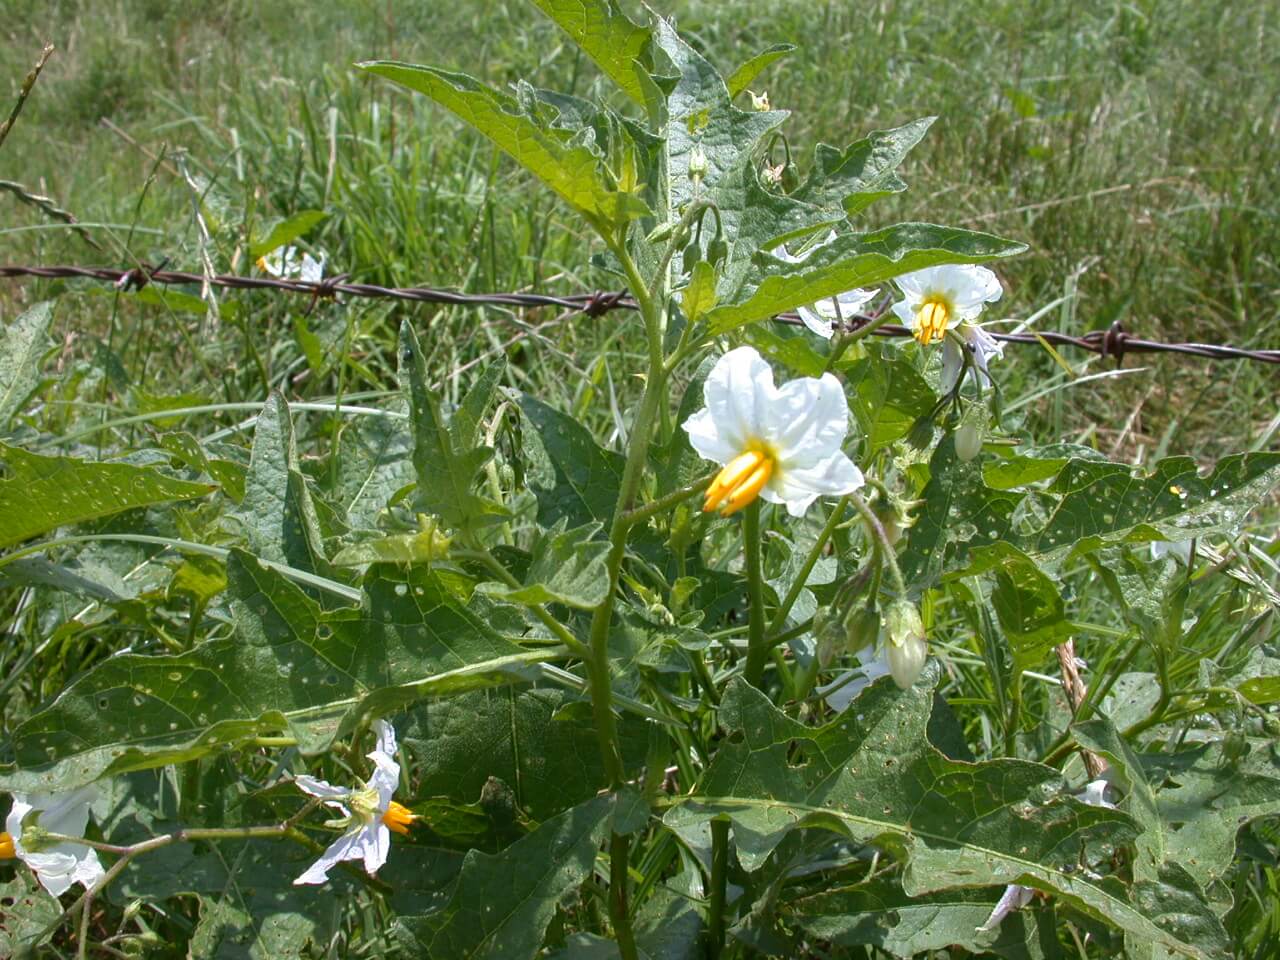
[907, 649]
[969, 434]
[760, 102]
[697, 164]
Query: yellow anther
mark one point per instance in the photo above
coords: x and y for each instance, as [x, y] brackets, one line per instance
[931, 320]
[398, 817]
[262, 263]
[6, 847]
[739, 482]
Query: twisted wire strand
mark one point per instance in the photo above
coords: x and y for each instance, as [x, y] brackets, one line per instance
[1114, 342]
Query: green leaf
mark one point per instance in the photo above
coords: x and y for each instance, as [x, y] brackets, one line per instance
[879, 914]
[26, 912]
[854, 178]
[501, 904]
[1034, 464]
[539, 741]
[22, 344]
[446, 473]
[889, 395]
[277, 514]
[573, 477]
[741, 78]
[292, 667]
[286, 231]
[568, 567]
[699, 295]
[427, 544]
[876, 778]
[551, 154]
[1087, 505]
[464, 424]
[375, 461]
[39, 493]
[608, 37]
[852, 260]
[1027, 603]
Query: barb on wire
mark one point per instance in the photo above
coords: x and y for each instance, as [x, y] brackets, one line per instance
[1112, 342]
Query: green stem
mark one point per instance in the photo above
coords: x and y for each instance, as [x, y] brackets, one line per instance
[619, 855]
[719, 881]
[793, 592]
[537, 609]
[882, 540]
[662, 504]
[757, 649]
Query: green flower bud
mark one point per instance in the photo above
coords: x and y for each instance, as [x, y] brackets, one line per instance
[827, 633]
[921, 434]
[907, 648]
[697, 164]
[862, 629]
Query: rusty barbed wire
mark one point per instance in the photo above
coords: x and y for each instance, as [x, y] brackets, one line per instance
[1114, 342]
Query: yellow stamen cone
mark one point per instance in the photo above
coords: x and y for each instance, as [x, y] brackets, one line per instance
[931, 321]
[398, 818]
[728, 479]
[6, 847]
[749, 489]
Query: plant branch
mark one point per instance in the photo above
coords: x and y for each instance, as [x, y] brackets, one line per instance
[757, 649]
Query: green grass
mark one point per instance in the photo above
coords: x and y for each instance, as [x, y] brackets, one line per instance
[1131, 145]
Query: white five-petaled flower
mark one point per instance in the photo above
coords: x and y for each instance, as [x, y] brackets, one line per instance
[1015, 896]
[779, 443]
[949, 298]
[368, 812]
[285, 263]
[820, 317]
[57, 864]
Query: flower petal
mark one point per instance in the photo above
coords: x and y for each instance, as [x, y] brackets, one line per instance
[815, 322]
[346, 847]
[320, 788]
[800, 486]
[1014, 898]
[707, 440]
[908, 312]
[807, 421]
[738, 391]
[375, 845]
[970, 287]
[918, 284]
[55, 869]
[952, 364]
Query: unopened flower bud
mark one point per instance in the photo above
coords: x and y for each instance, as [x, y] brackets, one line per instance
[760, 102]
[826, 630]
[862, 629]
[921, 434]
[697, 164]
[906, 646]
[969, 435]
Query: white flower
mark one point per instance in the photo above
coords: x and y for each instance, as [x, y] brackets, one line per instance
[820, 316]
[1178, 548]
[368, 812]
[1016, 897]
[945, 298]
[57, 865]
[844, 689]
[782, 444]
[284, 263]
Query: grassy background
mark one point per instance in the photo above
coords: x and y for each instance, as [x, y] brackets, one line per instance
[1131, 145]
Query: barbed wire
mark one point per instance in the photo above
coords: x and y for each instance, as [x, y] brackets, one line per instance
[1114, 342]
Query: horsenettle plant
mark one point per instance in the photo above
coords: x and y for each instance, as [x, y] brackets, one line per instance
[630, 718]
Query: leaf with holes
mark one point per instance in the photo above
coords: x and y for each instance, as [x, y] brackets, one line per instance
[39, 494]
[953, 824]
[293, 667]
[501, 904]
[22, 344]
[552, 154]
